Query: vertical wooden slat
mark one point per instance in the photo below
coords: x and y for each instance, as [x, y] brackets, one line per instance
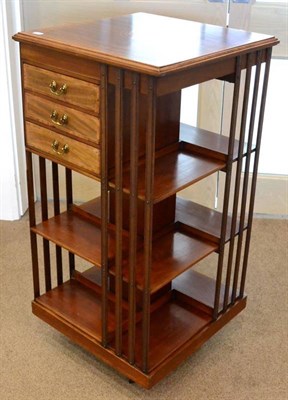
[227, 186]
[69, 188]
[255, 170]
[246, 175]
[32, 223]
[118, 207]
[237, 182]
[134, 149]
[148, 220]
[56, 198]
[104, 201]
[69, 202]
[44, 212]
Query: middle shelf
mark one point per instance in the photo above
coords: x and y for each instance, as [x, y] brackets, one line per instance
[172, 254]
[194, 235]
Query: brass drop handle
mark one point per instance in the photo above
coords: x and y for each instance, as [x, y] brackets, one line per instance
[61, 121]
[55, 148]
[54, 88]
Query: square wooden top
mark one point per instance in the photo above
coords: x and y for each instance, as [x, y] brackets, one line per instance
[148, 43]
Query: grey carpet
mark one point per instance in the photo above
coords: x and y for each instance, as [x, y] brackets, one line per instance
[247, 360]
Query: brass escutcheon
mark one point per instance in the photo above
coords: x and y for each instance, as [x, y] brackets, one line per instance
[58, 92]
[63, 120]
[55, 148]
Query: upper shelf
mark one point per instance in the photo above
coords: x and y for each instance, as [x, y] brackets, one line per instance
[209, 143]
[173, 172]
[148, 43]
[199, 154]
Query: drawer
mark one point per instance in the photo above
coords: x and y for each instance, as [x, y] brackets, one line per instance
[75, 123]
[78, 93]
[80, 156]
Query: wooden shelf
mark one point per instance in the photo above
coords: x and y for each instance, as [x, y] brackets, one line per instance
[199, 220]
[174, 171]
[195, 235]
[173, 253]
[208, 143]
[202, 221]
[80, 306]
[76, 305]
[171, 326]
[75, 232]
[199, 154]
[195, 328]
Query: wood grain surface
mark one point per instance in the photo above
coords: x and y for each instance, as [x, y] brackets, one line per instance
[80, 306]
[172, 254]
[173, 172]
[77, 234]
[148, 43]
[172, 325]
[79, 93]
[80, 155]
[79, 125]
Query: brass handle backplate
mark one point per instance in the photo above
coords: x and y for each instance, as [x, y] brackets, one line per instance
[55, 147]
[54, 88]
[63, 120]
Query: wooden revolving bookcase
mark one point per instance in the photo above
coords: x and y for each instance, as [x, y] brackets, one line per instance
[103, 99]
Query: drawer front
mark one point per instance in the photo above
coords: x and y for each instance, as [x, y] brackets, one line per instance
[78, 93]
[66, 119]
[80, 156]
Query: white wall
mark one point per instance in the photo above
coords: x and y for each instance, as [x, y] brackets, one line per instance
[13, 197]
[39, 13]
[273, 156]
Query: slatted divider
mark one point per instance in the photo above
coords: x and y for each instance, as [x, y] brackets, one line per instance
[119, 93]
[56, 203]
[246, 175]
[44, 214]
[69, 203]
[254, 177]
[227, 185]
[134, 150]
[148, 219]
[104, 200]
[32, 223]
[237, 182]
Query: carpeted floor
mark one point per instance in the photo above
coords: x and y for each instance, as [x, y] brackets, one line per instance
[247, 360]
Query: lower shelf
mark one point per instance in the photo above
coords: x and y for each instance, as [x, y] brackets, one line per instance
[199, 289]
[171, 326]
[79, 306]
[177, 329]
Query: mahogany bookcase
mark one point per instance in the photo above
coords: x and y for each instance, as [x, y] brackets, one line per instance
[103, 99]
